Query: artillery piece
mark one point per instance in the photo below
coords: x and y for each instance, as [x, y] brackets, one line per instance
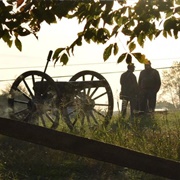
[86, 99]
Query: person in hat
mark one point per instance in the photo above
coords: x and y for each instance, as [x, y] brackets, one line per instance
[129, 90]
[149, 84]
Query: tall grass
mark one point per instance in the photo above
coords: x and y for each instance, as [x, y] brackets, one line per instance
[156, 135]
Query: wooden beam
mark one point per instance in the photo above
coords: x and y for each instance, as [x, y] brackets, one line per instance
[90, 148]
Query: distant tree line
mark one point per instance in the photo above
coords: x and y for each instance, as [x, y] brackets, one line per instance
[170, 90]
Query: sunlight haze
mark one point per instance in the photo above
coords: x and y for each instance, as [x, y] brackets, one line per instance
[161, 52]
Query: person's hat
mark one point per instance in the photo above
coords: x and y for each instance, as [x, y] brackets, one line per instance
[147, 63]
[130, 65]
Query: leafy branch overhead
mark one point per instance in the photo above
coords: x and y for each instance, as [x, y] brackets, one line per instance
[145, 19]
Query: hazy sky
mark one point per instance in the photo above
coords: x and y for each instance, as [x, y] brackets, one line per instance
[162, 52]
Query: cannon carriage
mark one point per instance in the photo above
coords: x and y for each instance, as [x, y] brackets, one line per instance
[85, 100]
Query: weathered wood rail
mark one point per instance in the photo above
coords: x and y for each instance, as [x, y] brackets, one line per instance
[90, 148]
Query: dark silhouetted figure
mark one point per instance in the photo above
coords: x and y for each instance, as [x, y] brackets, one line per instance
[149, 84]
[129, 90]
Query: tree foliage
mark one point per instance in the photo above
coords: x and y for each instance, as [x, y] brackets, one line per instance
[171, 84]
[145, 19]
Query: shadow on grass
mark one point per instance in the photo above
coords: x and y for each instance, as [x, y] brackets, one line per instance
[22, 160]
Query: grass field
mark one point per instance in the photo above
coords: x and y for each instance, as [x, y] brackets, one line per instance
[158, 135]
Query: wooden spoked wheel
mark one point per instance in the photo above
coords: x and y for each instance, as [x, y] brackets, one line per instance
[33, 98]
[92, 102]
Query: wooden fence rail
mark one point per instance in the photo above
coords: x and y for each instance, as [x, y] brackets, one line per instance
[90, 148]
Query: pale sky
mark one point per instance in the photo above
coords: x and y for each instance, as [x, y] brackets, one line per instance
[162, 52]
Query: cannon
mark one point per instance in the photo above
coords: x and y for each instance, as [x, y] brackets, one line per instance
[85, 100]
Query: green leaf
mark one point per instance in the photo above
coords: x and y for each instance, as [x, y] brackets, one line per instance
[37, 14]
[178, 2]
[79, 41]
[7, 38]
[126, 31]
[170, 24]
[64, 59]
[158, 33]
[102, 35]
[129, 59]
[140, 57]
[109, 5]
[49, 17]
[18, 44]
[132, 46]
[12, 24]
[89, 34]
[170, 33]
[116, 48]
[165, 34]
[57, 52]
[115, 30]
[107, 52]
[108, 18]
[95, 23]
[22, 31]
[150, 36]
[175, 33]
[177, 9]
[140, 39]
[124, 20]
[9, 42]
[121, 57]
[119, 20]
[1, 33]
[169, 14]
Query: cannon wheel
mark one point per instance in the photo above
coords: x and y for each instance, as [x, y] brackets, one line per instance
[91, 105]
[33, 98]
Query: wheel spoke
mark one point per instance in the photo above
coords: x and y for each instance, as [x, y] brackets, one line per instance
[21, 112]
[27, 87]
[93, 117]
[20, 101]
[26, 106]
[74, 122]
[82, 93]
[88, 92]
[94, 91]
[99, 104]
[82, 120]
[92, 77]
[83, 77]
[42, 120]
[96, 100]
[88, 120]
[98, 112]
[100, 95]
[25, 95]
[72, 112]
[33, 80]
[89, 89]
[28, 117]
[49, 117]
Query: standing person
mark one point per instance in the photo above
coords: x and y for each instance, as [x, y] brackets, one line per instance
[149, 84]
[129, 90]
